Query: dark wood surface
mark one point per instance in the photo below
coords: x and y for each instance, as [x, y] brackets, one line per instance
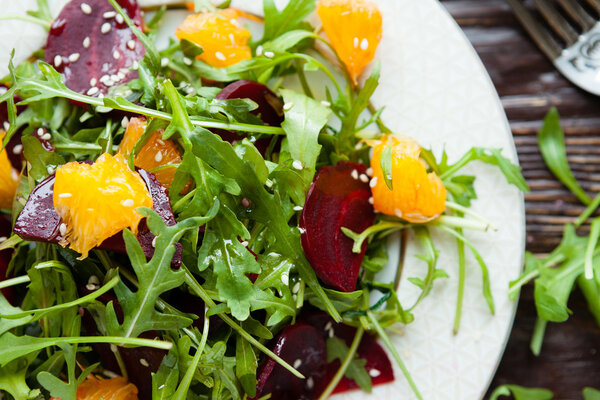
[528, 86]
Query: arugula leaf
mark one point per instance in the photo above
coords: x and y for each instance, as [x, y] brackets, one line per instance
[386, 167]
[164, 381]
[279, 22]
[591, 394]
[337, 350]
[12, 378]
[39, 158]
[245, 365]
[521, 393]
[288, 40]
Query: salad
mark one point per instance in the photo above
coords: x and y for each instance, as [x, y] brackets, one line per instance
[208, 219]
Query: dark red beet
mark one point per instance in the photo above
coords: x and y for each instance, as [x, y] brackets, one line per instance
[336, 200]
[296, 342]
[5, 256]
[38, 221]
[106, 57]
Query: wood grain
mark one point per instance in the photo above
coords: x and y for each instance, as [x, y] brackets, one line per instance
[528, 85]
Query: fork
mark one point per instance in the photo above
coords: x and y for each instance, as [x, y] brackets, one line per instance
[579, 58]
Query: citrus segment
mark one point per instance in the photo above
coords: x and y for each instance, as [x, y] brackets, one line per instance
[224, 42]
[9, 178]
[154, 154]
[354, 29]
[106, 389]
[417, 196]
[97, 201]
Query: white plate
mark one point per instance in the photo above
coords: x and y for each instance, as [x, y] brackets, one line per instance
[435, 89]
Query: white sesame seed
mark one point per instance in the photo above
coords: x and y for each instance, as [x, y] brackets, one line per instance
[164, 62]
[119, 19]
[40, 131]
[65, 195]
[364, 44]
[115, 78]
[326, 103]
[94, 280]
[116, 54]
[127, 203]
[93, 81]
[269, 183]
[328, 325]
[74, 57]
[86, 8]
[17, 149]
[373, 182]
[6, 125]
[135, 65]
[297, 164]
[285, 279]
[57, 60]
[244, 243]
[109, 14]
[310, 383]
[269, 54]
[14, 174]
[259, 50]
[131, 44]
[330, 332]
[47, 136]
[355, 42]
[63, 229]
[86, 42]
[302, 230]
[354, 174]
[144, 362]
[296, 288]
[364, 178]
[50, 170]
[288, 106]
[297, 363]
[91, 287]
[104, 78]
[232, 38]
[154, 241]
[374, 373]
[187, 61]
[369, 171]
[105, 28]
[220, 56]
[92, 91]
[125, 122]
[371, 201]
[158, 156]
[109, 82]
[398, 212]
[298, 208]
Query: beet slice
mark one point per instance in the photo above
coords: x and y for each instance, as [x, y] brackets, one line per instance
[5, 257]
[302, 346]
[336, 199]
[92, 47]
[38, 221]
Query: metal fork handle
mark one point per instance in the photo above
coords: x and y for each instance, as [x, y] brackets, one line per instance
[580, 63]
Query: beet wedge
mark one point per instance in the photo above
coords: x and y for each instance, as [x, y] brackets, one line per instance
[38, 221]
[337, 198]
[93, 47]
[5, 256]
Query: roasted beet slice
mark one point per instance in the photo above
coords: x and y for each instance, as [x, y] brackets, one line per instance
[93, 47]
[303, 347]
[336, 199]
[38, 221]
[5, 256]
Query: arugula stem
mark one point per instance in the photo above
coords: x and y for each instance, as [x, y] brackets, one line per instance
[537, 337]
[591, 245]
[589, 210]
[519, 283]
[345, 364]
[14, 281]
[460, 295]
[392, 349]
[468, 211]
[182, 201]
[458, 222]
[303, 81]
[378, 121]
[27, 18]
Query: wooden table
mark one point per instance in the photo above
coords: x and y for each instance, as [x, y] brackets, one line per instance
[528, 86]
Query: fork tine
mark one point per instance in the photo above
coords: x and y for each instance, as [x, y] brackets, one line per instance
[595, 4]
[543, 39]
[556, 21]
[578, 13]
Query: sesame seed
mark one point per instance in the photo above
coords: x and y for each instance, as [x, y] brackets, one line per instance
[164, 62]
[373, 182]
[3, 239]
[131, 44]
[355, 42]
[326, 103]
[86, 42]
[297, 363]
[74, 57]
[47, 136]
[93, 81]
[62, 229]
[298, 208]
[14, 174]
[135, 65]
[104, 78]
[64, 195]
[105, 28]
[354, 174]
[220, 56]
[374, 373]
[364, 44]
[158, 156]
[364, 178]
[269, 54]
[297, 164]
[328, 326]
[127, 203]
[50, 169]
[259, 50]
[57, 61]
[91, 286]
[17, 149]
[369, 171]
[154, 241]
[40, 131]
[120, 75]
[116, 54]
[144, 362]
[125, 122]
[94, 279]
[119, 19]
[92, 91]
[310, 383]
[6, 125]
[109, 82]
[109, 14]
[86, 8]
[187, 61]
[330, 332]
[302, 230]
[269, 183]
[232, 38]
[115, 78]
[371, 201]
[294, 297]
[398, 212]
[285, 279]
[245, 243]
[288, 106]
[296, 288]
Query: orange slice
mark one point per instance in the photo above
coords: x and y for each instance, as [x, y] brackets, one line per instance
[354, 29]
[155, 153]
[417, 196]
[224, 42]
[9, 178]
[107, 389]
[97, 201]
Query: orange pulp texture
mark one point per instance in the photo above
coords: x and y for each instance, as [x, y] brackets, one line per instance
[155, 153]
[224, 42]
[417, 196]
[9, 178]
[97, 201]
[354, 29]
[107, 389]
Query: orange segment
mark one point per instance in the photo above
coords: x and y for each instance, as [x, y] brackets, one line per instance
[354, 29]
[97, 201]
[9, 178]
[107, 389]
[417, 196]
[224, 42]
[155, 153]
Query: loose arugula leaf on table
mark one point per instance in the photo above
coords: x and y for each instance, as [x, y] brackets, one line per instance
[337, 350]
[521, 393]
[591, 394]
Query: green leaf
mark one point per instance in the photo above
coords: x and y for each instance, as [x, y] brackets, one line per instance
[521, 393]
[551, 141]
[245, 365]
[164, 381]
[279, 22]
[288, 40]
[337, 350]
[39, 158]
[12, 377]
[386, 167]
[591, 394]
